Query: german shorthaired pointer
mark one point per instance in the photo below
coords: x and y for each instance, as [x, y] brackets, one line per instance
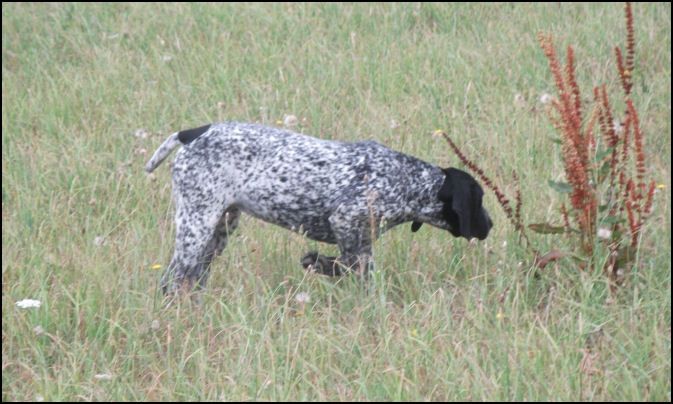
[335, 192]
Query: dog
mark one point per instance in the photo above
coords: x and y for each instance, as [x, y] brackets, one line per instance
[344, 193]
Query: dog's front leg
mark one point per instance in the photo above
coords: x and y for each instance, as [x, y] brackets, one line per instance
[322, 264]
[351, 225]
[337, 266]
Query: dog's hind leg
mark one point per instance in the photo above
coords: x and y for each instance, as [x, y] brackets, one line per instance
[228, 223]
[197, 220]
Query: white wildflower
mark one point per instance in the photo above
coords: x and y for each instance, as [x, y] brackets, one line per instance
[546, 98]
[603, 233]
[99, 241]
[303, 297]
[141, 133]
[290, 120]
[28, 303]
[617, 126]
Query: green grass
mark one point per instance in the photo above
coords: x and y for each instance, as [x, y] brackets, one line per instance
[441, 320]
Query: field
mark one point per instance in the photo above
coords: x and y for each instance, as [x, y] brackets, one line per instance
[90, 90]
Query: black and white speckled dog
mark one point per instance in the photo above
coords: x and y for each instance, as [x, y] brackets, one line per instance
[336, 192]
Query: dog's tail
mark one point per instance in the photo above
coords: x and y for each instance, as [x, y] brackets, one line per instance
[173, 141]
[163, 151]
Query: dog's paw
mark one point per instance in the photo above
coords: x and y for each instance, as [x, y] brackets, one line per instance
[310, 260]
[321, 264]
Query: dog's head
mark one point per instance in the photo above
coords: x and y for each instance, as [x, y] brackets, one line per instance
[462, 208]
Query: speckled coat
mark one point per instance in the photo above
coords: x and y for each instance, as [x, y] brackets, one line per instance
[337, 192]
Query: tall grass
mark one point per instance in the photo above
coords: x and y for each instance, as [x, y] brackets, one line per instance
[441, 319]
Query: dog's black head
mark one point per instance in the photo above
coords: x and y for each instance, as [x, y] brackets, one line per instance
[462, 196]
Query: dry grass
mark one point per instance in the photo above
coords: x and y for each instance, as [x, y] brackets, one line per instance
[441, 320]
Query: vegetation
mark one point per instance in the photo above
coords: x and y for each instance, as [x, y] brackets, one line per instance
[607, 205]
[90, 90]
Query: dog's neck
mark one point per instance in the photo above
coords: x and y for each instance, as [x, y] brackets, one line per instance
[425, 206]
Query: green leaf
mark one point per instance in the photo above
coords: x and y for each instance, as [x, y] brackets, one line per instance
[546, 228]
[601, 154]
[603, 172]
[561, 187]
[617, 235]
[612, 219]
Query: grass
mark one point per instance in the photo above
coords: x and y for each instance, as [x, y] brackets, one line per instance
[441, 320]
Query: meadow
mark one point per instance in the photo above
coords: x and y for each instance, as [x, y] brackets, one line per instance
[90, 90]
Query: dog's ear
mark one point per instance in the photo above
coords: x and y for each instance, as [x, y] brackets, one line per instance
[415, 226]
[462, 197]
